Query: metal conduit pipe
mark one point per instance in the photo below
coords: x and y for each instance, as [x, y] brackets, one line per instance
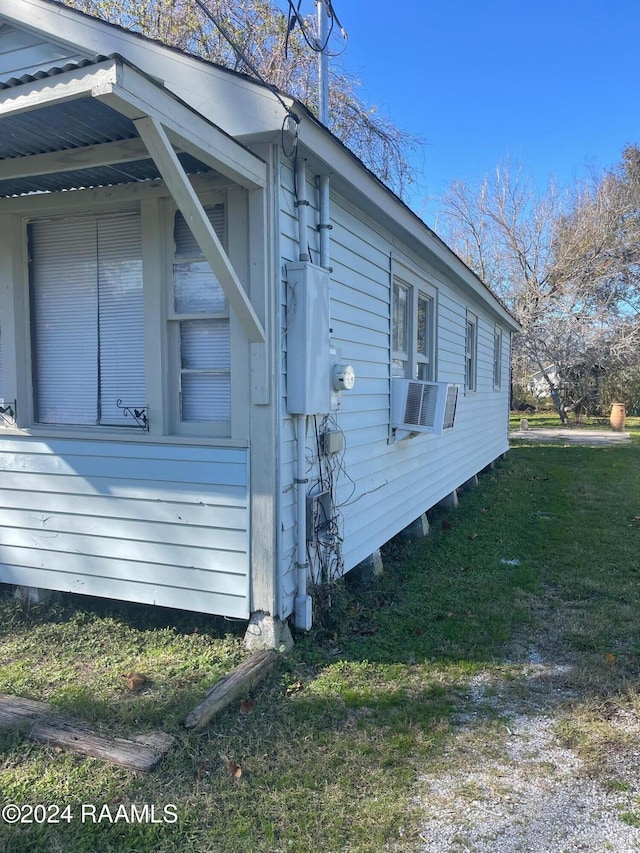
[301, 205]
[302, 616]
[302, 605]
[324, 226]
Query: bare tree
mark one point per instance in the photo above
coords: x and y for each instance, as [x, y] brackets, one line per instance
[264, 44]
[567, 264]
[597, 242]
[503, 230]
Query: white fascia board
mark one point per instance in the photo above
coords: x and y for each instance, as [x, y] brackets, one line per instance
[232, 102]
[189, 205]
[135, 96]
[77, 83]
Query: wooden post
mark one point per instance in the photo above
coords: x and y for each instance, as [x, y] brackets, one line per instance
[37, 722]
[240, 680]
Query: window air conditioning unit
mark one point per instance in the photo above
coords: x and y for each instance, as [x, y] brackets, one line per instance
[422, 407]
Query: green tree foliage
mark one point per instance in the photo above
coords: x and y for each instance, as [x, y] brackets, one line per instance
[258, 29]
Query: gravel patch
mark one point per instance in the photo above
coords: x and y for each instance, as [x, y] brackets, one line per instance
[573, 436]
[508, 784]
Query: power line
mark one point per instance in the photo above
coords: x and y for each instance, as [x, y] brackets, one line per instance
[240, 53]
[294, 16]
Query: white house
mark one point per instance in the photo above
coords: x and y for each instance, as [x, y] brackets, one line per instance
[538, 382]
[233, 362]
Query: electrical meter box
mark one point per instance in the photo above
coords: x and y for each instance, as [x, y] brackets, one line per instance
[308, 338]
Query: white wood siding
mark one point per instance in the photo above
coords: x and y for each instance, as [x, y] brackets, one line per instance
[394, 481]
[152, 523]
[23, 52]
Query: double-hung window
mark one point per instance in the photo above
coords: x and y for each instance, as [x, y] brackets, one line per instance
[425, 336]
[413, 328]
[471, 353]
[497, 357]
[401, 328]
[87, 324]
[201, 331]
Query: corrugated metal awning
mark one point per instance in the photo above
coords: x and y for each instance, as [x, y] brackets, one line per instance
[90, 125]
[66, 127]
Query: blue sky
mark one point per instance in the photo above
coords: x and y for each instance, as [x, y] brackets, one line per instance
[553, 84]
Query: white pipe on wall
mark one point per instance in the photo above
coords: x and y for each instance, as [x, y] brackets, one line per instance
[302, 205]
[324, 226]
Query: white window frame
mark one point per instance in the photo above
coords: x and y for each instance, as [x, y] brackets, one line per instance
[401, 323]
[425, 359]
[235, 426]
[156, 208]
[471, 353]
[179, 322]
[407, 362]
[497, 358]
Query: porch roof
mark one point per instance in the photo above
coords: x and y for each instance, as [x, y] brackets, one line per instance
[105, 122]
[72, 127]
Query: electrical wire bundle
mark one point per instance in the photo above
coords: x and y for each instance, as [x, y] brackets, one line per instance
[294, 17]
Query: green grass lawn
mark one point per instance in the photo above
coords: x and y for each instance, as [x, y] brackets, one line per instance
[331, 756]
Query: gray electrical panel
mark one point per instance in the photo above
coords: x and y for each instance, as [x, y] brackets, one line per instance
[308, 339]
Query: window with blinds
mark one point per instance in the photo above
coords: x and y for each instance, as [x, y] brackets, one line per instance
[201, 313]
[87, 319]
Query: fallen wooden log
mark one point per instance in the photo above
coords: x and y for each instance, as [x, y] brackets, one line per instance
[37, 722]
[240, 680]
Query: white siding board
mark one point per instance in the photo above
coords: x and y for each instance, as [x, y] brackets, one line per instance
[170, 514]
[362, 275]
[122, 589]
[104, 556]
[169, 523]
[395, 483]
[360, 325]
[353, 228]
[47, 525]
[191, 494]
[414, 489]
[99, 467]
[374, 416]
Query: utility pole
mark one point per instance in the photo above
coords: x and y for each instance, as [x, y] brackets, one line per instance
[323, 63]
